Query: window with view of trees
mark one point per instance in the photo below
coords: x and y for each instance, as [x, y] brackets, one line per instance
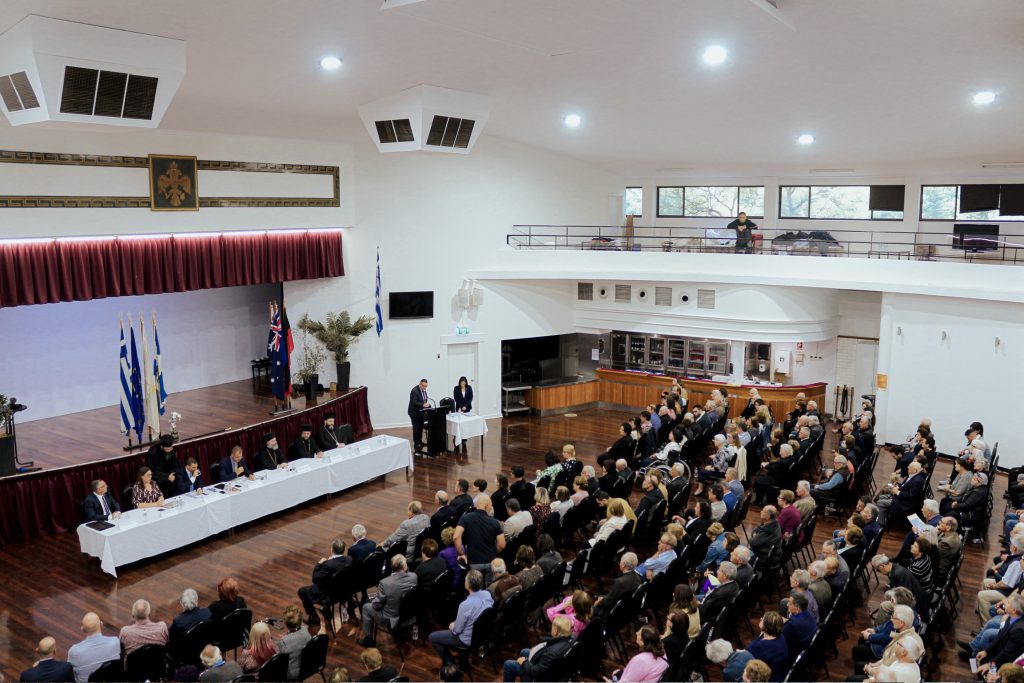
[831, 202]
[942, 203]
[635, 201]
[710, 202]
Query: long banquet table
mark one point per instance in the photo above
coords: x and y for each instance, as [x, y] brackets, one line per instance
[140, 534]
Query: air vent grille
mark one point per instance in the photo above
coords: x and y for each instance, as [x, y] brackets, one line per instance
[623, 293]
[17, 93]
[584, 291]
[91, 92]
[399, 130]
[662, 296]
[706, 298]
[448, 131]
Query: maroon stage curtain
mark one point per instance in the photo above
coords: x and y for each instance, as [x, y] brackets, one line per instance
[49, 502]
[48, 271]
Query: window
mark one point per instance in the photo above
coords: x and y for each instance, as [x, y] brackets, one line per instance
[635, 201]
[942, 203]
[831, 202]
[710, 202]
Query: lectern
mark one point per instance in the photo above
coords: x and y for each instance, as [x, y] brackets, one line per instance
[437, 429]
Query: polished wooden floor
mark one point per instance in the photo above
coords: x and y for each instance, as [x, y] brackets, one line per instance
[93, 434]
[49, 584]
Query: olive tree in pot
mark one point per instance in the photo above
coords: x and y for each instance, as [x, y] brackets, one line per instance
[313, 357]
[336, 333]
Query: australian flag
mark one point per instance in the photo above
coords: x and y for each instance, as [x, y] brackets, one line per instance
[279, 347]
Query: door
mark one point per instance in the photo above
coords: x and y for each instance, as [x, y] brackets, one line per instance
[865, 369]
[463, 362]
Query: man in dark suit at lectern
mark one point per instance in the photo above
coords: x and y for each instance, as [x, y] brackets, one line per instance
[418, 401]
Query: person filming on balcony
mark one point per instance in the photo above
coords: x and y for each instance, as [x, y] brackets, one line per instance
[744, 236]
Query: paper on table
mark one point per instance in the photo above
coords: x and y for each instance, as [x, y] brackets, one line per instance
[974, 665]
[916, 522]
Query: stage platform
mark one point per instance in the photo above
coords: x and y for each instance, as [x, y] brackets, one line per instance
[86, 446]
[91, 435]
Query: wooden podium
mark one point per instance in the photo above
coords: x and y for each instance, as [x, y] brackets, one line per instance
[437, 429]
[8, 466]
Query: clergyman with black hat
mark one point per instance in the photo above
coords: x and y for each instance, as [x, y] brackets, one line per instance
[164, 464]
[269, 456]
[305, 446]
[329, 437]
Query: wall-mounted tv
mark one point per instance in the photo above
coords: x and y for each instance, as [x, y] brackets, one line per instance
[410, 305]
[975, 237]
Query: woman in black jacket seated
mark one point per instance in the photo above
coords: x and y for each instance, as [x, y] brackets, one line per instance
[228, 600]
[623, 446]
[608, 479]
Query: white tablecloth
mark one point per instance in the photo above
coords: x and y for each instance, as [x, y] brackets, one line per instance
[463, 426]
[139, 534]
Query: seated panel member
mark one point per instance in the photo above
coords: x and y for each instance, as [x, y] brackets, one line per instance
[463, 395]
[305, 446]
[100, 505]
[145, 493]
[329, 436]
[190, 479]
[234, 466]
[269, 457]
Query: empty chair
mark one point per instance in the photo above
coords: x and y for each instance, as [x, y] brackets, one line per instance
[148, 663]
[275, 668]
[313, 658]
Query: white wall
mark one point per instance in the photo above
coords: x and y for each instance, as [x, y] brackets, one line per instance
[955, 381]
[435, 216]
[63, 357]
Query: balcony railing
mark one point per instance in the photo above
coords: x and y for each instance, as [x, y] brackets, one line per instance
[878, 244]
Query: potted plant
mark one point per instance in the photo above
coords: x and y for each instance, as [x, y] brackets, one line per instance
[337, 333]
[313, 357]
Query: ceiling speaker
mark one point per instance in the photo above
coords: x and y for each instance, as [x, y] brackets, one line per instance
[642, 294]
[684, 297]
[603, 292]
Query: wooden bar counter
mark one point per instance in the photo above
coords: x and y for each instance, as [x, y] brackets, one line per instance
[631, 390]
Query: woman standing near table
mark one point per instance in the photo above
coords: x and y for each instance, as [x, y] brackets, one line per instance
[463, 395]
[145, 494]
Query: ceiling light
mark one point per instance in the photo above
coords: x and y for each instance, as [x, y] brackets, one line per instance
[330, 63]
[715, 55]
[572, 120]
[805, 139]
[984, 97]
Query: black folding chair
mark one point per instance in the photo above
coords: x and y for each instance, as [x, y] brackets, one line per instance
[275, 668]
[148, 663]
[313, 658]
[234, 630]
[109, 672]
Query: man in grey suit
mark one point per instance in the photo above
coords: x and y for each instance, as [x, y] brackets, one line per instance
[217, 669]
[408, 530]
[385, 604]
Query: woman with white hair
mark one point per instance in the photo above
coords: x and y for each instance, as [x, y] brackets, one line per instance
[723, 458]
[720, 652]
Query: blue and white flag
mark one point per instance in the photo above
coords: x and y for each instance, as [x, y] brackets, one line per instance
[126, 391]
[158, 371]
[380, 314]
[138, 395]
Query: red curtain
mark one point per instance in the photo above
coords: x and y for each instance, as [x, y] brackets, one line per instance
[49, 271]
[49, 502]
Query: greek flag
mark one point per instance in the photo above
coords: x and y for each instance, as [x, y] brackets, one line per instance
[158, 371]
[126, 401]
[380, 314]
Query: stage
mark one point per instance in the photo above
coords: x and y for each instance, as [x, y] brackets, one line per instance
[78, 448]
[92, 435]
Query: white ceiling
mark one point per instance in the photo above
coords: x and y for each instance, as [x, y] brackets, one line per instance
[884, 85]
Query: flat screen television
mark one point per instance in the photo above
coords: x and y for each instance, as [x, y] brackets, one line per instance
[410, 305]
[975, 237]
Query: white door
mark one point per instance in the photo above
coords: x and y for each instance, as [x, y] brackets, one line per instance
[463, 362]
[865, 372]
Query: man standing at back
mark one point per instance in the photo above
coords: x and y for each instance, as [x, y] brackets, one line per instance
[418, 402]
[87, 655]
[479, 537]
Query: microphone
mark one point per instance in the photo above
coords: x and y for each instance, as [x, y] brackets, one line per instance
[432, 404]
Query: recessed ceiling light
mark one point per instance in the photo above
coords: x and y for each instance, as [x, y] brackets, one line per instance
[984, 97]
[715, 55]
[805, 139]
[572, 120]
[330, 63]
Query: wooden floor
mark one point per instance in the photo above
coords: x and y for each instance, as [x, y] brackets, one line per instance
[93, 434]
[49, 584]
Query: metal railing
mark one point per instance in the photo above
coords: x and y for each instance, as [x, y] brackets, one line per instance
[877, 244]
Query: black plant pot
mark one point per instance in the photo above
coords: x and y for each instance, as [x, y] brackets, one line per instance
[311, 387]
[344, 371]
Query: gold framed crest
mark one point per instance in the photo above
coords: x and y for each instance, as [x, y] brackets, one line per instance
[173, 183]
